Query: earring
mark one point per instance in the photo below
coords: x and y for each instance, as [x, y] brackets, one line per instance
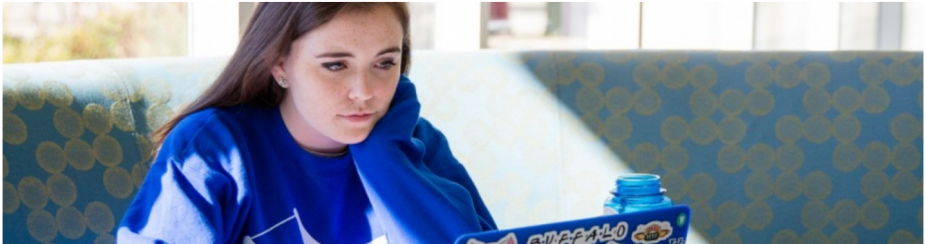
[281, 82]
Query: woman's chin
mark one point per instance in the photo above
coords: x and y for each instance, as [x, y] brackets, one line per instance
[353, 138]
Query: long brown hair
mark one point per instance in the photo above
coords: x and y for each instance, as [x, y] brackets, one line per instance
[269, 36]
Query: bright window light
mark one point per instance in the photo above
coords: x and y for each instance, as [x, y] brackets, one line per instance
[213, 28]
[457, 26]
[680, 25]
[797, 26]
[613, 25]
[912, 27]
[858, 29]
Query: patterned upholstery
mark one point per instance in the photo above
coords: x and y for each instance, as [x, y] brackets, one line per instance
[74, 140]
[766, 147]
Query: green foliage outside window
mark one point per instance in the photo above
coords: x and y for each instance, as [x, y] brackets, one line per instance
[120, 34]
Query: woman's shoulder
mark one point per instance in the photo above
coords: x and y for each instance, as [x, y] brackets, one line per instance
[228, 117]
[218, 126]
[219, 115]
[195, 123]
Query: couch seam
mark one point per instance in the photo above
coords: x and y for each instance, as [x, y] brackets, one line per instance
[125, 98]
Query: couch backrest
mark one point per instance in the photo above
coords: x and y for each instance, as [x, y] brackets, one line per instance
[764, 146]
[74, 140]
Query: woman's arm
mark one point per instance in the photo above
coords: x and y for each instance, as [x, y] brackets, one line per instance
[414, 205]
[441, 161]
[187, 196]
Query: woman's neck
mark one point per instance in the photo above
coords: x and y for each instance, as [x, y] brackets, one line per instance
[327, 154]
[307, 137]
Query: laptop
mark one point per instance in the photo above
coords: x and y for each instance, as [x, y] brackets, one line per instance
[665, 225]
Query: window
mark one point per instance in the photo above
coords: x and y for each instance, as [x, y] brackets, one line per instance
[687, 25]
[35, 32]
[542, 25]
[704, 26]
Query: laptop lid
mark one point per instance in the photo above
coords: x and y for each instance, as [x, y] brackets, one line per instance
[665, 225]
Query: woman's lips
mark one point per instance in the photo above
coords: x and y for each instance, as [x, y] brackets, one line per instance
[358, 118]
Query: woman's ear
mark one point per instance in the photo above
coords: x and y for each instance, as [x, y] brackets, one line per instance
[278, 69]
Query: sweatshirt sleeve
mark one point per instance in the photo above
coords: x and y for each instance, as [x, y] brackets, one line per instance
[413, 204]
[441, 161]
[187, 196]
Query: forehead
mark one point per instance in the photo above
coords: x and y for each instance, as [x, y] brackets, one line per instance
[373, 28]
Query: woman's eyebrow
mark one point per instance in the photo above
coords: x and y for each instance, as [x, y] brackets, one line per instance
[335, 55]
[393, 49]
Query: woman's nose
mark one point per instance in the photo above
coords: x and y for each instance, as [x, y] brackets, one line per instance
[360, 87]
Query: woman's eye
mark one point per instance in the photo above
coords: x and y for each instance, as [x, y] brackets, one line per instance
[386, 65]
[333, 66]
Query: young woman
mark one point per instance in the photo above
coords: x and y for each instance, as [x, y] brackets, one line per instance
[311, 134]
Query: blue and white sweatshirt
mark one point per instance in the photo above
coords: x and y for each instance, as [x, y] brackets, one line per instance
[236, 175]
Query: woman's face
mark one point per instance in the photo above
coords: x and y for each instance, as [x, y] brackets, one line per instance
[341, 77]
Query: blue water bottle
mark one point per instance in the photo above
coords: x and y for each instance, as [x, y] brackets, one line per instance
[636, 192]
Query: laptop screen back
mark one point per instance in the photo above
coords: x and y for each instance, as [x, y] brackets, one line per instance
[665, 225]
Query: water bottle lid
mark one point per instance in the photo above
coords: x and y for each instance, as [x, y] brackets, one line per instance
[638, 179]
[638, 184]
